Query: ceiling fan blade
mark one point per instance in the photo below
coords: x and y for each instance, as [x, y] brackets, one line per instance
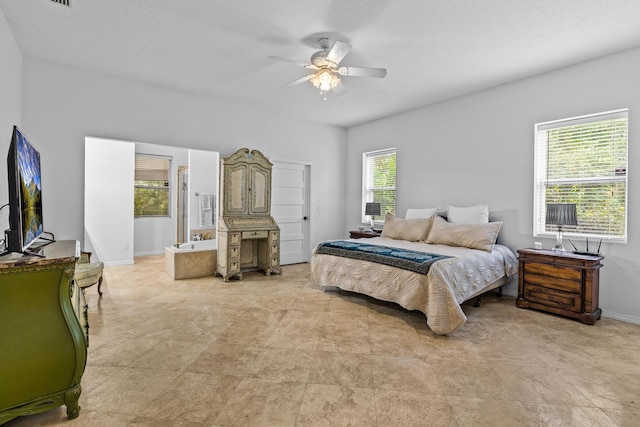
[339, 90]
[362, 72]
[338, 51]
[300, 80]
[291, 61]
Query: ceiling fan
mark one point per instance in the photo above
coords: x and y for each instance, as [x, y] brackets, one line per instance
[325, 65]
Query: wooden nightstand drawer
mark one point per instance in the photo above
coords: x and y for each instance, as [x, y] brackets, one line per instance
[553, 298]
[552, 277]
[364, 234]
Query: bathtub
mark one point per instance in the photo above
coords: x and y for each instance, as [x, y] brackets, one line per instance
[191, 259]
[200, 245]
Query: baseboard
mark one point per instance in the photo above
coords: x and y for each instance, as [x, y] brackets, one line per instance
[115, 263]
[622, 317]
[160, 252]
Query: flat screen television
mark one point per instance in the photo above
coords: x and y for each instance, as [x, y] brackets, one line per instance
[25, 194]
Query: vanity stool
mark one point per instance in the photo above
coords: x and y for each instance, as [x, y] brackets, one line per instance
[88, 273]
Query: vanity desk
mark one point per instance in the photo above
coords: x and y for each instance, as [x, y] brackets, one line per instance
[248, 236]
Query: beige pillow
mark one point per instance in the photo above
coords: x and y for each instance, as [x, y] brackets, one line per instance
[413, 230]
[474, 236]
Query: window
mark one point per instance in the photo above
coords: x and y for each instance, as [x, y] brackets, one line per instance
[583, 160]
[379, 181]
[151, 189]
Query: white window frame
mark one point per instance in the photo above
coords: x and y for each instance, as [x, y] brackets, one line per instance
[367, 191]
[540, 177]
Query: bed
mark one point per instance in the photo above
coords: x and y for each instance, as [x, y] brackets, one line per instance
[458, 270]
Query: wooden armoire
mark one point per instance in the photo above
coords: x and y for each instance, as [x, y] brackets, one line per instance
[248, 236]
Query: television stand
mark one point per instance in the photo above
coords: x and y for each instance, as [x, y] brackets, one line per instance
[29, 253]
[44, 345]
[40, 243]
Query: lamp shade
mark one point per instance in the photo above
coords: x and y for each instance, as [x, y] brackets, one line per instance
[372, 209]
[561, 214]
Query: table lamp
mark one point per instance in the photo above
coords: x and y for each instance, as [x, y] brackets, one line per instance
[561, 214]
[372, 209]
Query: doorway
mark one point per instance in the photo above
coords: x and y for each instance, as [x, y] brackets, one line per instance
[290, 209]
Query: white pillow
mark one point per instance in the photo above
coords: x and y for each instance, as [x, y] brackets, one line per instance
[478, 214]
[420, 213]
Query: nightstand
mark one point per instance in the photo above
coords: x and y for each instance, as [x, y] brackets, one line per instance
[357, 234]
[562, 283]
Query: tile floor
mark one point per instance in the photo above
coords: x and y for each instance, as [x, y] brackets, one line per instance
[274, 351]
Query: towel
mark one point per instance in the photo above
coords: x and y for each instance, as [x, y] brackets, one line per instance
[206, 210]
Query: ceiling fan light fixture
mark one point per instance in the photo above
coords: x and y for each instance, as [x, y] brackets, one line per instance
[325, 80]
[325, 64]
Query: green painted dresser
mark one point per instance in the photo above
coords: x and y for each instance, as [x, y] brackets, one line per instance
[43, 347]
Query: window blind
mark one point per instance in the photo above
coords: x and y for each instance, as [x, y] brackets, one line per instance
[152, 168]
[584, 161]
[379, 181]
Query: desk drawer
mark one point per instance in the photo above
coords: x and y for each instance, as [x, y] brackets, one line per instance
[255, 234]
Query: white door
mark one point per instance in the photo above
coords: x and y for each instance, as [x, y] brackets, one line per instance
[290, 209]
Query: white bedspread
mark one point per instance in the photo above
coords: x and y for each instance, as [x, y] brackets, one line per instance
[437, 294]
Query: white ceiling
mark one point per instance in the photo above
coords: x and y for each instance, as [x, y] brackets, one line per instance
[432, 49]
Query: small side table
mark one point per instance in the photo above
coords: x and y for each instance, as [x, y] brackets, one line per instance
[563, 283]
[357, 234]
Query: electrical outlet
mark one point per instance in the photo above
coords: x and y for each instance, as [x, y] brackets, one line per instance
[126, 247]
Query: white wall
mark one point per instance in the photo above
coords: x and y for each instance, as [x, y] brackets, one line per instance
[479, 149]
[10, 107]
[109, 167]
[62, 105]
[203, 178]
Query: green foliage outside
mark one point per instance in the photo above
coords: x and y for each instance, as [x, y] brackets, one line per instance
[384, 184]
[151, 198]
[589, 165]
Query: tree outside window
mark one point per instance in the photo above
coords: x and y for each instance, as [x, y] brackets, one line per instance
[151, 187]
[379, 181]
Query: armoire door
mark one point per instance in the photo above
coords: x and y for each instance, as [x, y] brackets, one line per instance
[259, 190]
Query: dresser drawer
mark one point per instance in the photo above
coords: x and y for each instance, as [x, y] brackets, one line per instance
[553, 277]
[255, 234]
[553, 298]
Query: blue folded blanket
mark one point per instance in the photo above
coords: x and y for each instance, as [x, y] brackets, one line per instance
[415, 261]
